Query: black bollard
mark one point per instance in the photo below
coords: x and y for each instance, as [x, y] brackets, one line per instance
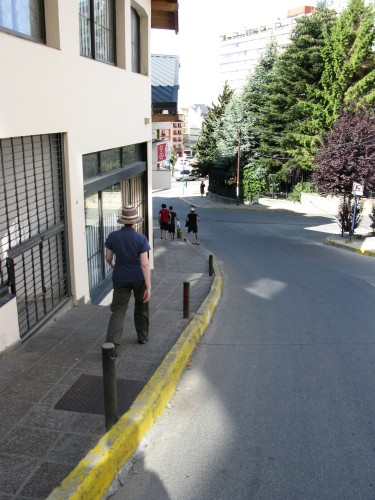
[109, 383]
[210, 265]
[186, 298]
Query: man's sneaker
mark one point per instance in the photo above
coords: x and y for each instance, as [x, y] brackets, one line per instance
[198, 243]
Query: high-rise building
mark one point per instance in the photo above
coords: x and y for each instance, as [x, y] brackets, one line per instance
[239, 52]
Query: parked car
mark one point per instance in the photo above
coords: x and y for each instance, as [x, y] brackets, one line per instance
[188, 175]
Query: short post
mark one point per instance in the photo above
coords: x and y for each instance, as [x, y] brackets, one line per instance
[186, 298]
[109, 383]
[210, 265]
[353, 218]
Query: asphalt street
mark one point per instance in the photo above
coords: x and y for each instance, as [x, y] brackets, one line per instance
[278, 400]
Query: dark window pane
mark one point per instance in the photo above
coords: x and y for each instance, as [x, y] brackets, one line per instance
[90, 166]
[110, 160]
[24, 17]
[85, 27]
[104, 32]
[128, 154]
[136, 42]
[96, 18]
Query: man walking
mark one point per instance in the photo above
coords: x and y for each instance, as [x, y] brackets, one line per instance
[131, 273]
[164, 218]
[192, 226]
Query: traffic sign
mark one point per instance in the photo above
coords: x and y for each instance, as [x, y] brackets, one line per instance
[357, 189]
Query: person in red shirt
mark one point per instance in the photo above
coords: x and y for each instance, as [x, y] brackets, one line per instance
[164, 218]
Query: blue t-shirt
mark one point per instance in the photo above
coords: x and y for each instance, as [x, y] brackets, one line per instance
[127, 245]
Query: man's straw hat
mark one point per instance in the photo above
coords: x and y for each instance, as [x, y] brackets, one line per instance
[129, 215]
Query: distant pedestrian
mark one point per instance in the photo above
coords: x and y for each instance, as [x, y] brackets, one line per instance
[192, 225]
[203, 185]
[172, 223]
[131, 273]
[163, 220]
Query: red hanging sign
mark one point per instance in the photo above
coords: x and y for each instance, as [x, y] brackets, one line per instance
[161, 152]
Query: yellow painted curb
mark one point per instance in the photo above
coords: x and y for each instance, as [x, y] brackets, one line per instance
[94, 474]
[349, 246]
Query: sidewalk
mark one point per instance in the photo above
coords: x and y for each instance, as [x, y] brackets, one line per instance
[51, 396]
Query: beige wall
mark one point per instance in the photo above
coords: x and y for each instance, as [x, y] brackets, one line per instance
[9, 329]
[95, 105]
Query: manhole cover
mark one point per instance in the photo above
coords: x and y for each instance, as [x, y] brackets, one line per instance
[87, 395]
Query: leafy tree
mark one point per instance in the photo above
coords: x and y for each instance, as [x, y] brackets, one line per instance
[348, 153]
[254, 182]
[347, 156]
[173, 159]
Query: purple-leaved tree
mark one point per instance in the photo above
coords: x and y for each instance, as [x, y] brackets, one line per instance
[346, 156]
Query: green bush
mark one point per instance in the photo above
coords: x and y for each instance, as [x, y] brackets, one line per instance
[345, 215]
[372, 217]
[301, 187]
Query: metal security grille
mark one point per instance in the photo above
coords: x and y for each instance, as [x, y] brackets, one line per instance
[96, 235]
[32, 226]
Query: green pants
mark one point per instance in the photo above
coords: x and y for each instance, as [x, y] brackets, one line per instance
[121, 295]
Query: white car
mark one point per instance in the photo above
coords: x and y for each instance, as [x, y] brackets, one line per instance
[186, 175]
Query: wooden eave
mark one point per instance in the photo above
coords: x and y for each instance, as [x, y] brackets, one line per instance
[159, 118]
[164, 15]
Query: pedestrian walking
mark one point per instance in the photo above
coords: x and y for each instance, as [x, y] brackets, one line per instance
[192, 225]
[202, 187]
[127, 253]
[172, 222]
[163, 220]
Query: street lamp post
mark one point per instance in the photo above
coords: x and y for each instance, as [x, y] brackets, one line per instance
[238, 168]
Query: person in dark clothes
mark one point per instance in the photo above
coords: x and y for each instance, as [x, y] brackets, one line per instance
[192, 225]
[172, 223]
[131, 273]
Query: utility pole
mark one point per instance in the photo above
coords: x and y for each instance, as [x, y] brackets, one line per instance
[238, 167]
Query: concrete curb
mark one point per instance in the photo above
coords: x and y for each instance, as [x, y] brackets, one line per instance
[94, 474]
[349, 246]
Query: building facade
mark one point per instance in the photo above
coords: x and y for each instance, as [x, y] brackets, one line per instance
[75, 145]
[240, 52]
[166, 123]
[192, 126]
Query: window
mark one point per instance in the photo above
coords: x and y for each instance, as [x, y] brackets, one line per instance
[97, 29]
[136, 42]
[103, 162]
[23, 17]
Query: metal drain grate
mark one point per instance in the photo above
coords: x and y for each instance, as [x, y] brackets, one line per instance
[87, 395]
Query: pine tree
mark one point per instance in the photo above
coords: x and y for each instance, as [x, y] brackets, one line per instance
[206, 147]
[349, 66]
[299, 66]
[256, 148]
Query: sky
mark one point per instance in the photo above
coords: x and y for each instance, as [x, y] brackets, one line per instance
[201, 22]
